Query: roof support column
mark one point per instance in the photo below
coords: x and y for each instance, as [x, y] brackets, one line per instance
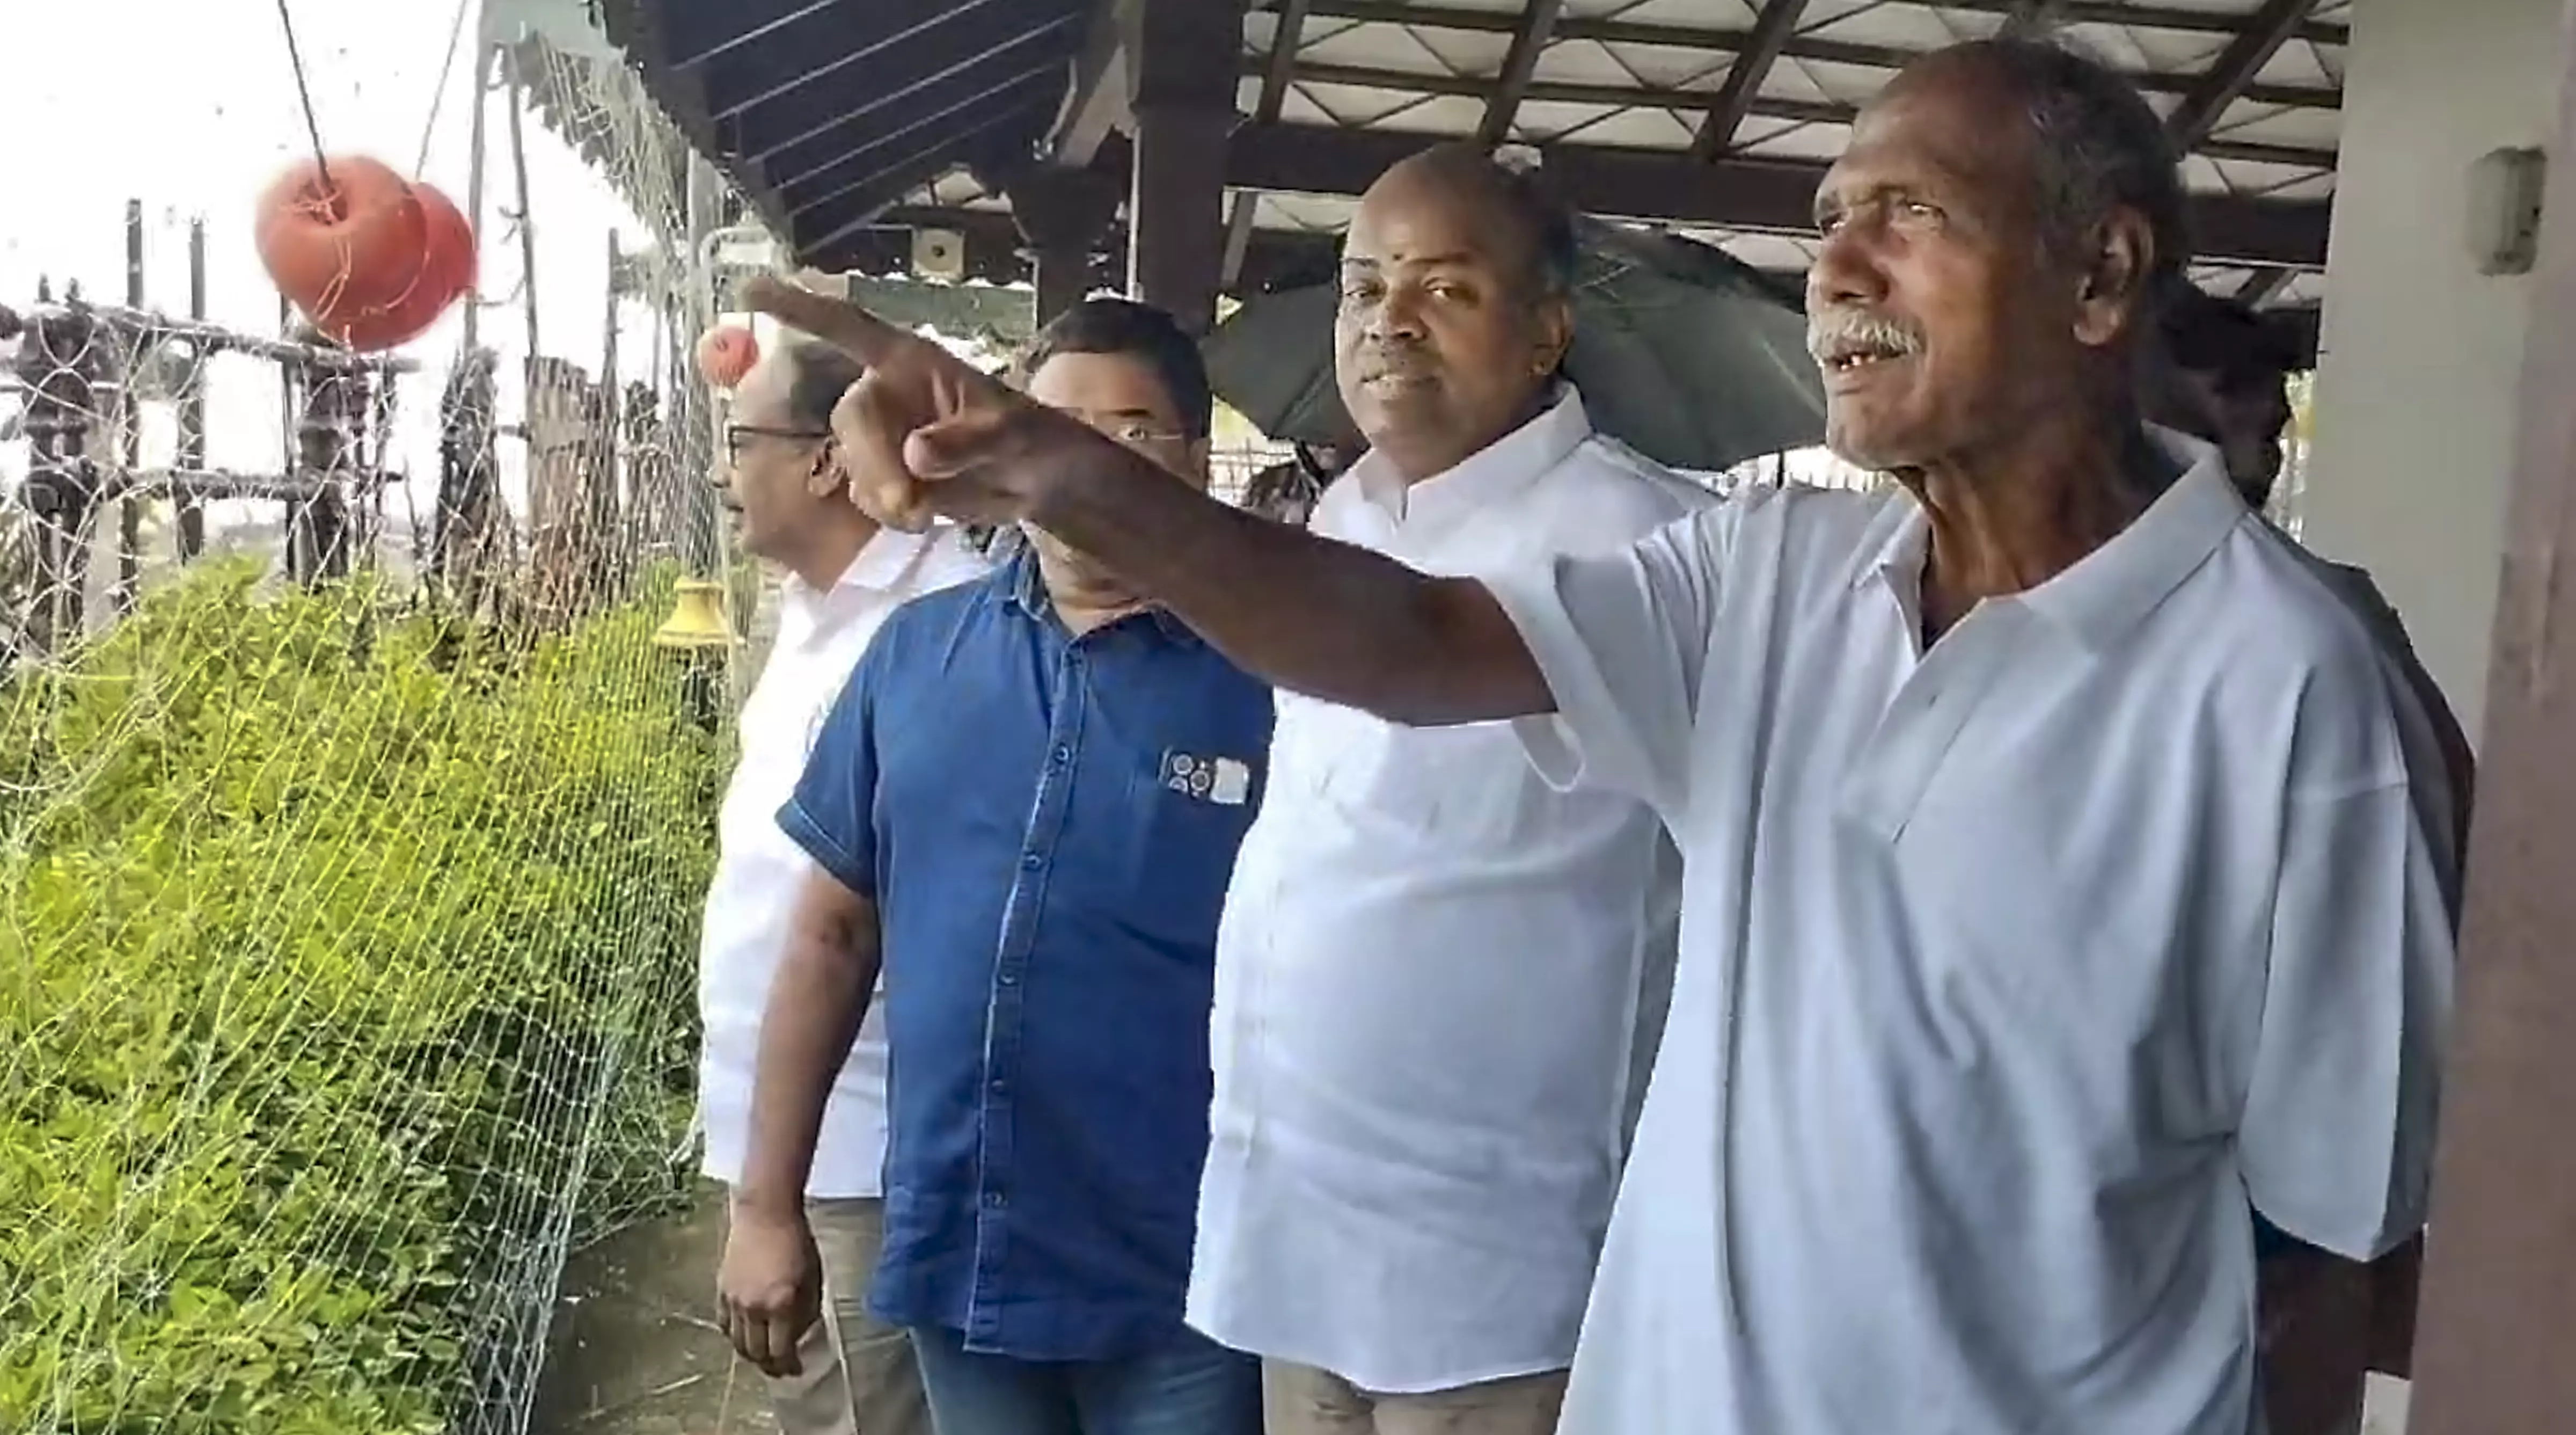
[2500, 1259]
[1063, 214]
[1187, 55]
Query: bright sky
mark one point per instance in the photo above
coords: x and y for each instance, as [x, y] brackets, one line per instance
[190, 106]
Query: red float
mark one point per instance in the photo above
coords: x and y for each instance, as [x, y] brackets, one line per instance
[726, 353]
[343, 247]
[447, 270]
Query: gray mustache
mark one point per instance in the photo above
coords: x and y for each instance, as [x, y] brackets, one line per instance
[1840, 333]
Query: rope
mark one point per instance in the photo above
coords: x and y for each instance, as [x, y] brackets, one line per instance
[304, 92]
[438, 96]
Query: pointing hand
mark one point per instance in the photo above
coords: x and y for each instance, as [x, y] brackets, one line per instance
[923, 435]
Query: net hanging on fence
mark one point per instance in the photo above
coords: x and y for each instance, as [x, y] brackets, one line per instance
[349, 870]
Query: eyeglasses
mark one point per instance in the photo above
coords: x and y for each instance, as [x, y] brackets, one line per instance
[735, 435]
[1135, 434]
[1125, 428]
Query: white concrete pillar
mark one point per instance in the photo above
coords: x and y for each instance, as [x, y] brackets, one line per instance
[2420, 353]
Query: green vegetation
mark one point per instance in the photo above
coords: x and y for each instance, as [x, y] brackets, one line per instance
[344, 966]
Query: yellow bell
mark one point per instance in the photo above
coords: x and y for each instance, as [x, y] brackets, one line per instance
[697, 619]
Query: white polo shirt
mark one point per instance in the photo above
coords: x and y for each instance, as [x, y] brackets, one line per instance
[1431, 979]
[2010, 970]
[758, 870]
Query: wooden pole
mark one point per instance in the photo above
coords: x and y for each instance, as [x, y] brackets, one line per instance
[192, 401]
[286, 373]
[527, 224]
[1183, 104]
[474, 154]
[610, 543]
[695, 419]
[129, 430]
[60, 359]
[2500, 1255]
[458, 540]
[292, 378]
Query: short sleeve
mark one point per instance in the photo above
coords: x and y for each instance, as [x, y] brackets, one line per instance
[832, 814]
[2336, 1140]
[1621, 638]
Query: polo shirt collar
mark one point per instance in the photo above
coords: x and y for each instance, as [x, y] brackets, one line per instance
[2110, 590]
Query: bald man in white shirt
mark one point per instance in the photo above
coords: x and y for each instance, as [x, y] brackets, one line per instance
[1438, 981]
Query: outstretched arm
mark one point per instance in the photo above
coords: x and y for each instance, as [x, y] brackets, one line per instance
[1303, 612]
[930, 435]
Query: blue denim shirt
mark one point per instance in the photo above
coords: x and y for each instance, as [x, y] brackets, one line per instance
[1047, 825]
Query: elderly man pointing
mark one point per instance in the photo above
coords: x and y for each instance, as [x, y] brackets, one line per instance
[2062, 867]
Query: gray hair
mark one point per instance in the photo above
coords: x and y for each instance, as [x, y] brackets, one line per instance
[2099, 147]
[817, 375]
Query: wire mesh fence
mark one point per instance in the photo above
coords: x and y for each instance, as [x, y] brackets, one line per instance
[352, 836]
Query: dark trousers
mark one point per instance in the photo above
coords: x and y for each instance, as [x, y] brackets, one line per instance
[1190, 1386]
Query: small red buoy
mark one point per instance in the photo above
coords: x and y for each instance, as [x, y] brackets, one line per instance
[447, 270]
[343, 246]
[726, 353]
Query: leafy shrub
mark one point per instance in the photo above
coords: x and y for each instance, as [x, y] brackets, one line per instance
[342, 962]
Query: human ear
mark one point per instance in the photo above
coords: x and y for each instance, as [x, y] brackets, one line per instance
[2111, 291]
[1555, 331]
[824, 477]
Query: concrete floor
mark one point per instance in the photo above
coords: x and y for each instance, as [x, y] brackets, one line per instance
[636, 1350]
[635, 1347]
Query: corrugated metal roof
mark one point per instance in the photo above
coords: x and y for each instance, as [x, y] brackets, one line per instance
[822, 112]
[829, 113]
[1642, 75]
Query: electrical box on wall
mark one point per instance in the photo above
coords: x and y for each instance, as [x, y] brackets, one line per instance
[2504, 209]
[939, 254]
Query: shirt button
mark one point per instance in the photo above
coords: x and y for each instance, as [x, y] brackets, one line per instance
[1063, 754]
[1031, 860]
[1001, 1086]
[993, 1199]
[1008, 978]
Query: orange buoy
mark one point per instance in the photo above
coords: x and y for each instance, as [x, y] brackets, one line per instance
[447, 270]
[726, 353]
[343, 247]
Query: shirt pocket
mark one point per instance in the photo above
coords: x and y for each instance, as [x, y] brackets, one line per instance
[1456, 782]
[1188, 810]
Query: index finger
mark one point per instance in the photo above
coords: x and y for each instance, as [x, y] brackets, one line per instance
[837, 322]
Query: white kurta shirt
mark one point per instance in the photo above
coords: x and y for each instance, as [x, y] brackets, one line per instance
[1431, 979]
[2010, 971]
[758, 870]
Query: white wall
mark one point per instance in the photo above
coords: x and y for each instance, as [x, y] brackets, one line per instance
[2420, 353]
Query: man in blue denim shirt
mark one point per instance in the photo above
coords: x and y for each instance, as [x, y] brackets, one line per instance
[1025, 806]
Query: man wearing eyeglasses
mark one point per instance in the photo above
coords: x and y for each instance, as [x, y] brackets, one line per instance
[788, 492]
[1024, 809]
